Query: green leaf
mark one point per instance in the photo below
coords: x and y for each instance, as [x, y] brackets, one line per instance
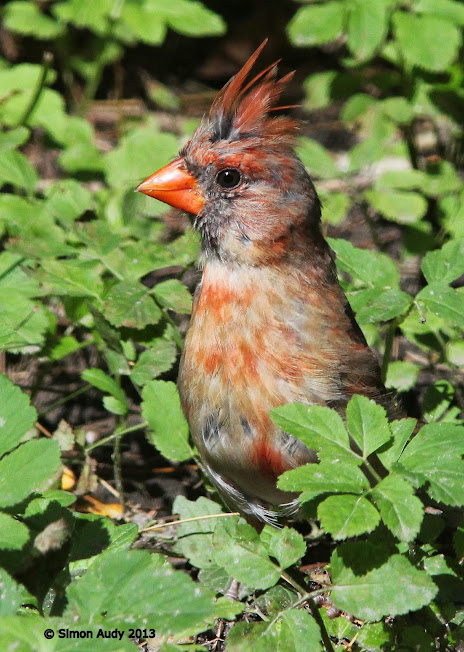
[12, 596]
[437, 399]
[27, 19]
[115, 406]
[399, 110]
[238, 549]
[293, 630]
[335, 206]
[316, 159]
[433, 441]
[367, 423]
[67, 200]
[139, 153]
[16, 170]
[191, 18]
[396, 587]
[194, 539]
[105, 383]
[173, 294]
[130, 304]
[317, 24]
[75, 278]
[450, 9]
[13, 534]
[347, 516]
[401, 511]
[398, 205]
[161, 408]
[13, 138]
[446, 264]
[28, 468]
[177, 604]
[367, 27]
[371, 267]
[158, 359]
[384, 306]
[417, 39]
[320, 428]
[286, 545]
[17, 416]
[326, 477]
[443, 301]
[401, 375]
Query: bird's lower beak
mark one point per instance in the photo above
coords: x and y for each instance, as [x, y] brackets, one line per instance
[174, 185]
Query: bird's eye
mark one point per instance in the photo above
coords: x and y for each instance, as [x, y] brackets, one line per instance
[229, 178]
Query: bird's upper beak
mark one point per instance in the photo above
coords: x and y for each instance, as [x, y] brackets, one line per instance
[174, 185]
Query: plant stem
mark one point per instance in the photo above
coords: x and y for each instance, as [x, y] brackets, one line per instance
[46, 62]
[117, 433]
[117, 469]
[64, 400]
[388, 347]
[307, 597]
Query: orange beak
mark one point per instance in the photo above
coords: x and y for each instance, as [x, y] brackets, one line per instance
[175, 186]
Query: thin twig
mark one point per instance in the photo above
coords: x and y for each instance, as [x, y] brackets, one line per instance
[46, 62]
[160, 526]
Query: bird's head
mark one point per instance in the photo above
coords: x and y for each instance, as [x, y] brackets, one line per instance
[240, 177]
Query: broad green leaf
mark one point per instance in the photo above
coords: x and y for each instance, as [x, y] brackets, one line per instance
[75, 278]
[16, 170]
[27, 19]
[318, 89]
[384, 306]
[450, 9]
[105, 383]
[12, 597]
[441, 179]
[366, 28]
[356, 107]
[409, 179]
[28, 468]
[286, 545]
[161, 408]
[140, 153]
[335, 206]
[445, 479]
[417, 39]
[317, 159]
[143, 22]
[398, 109]
[433, 441]
[13, 138]
[238, 549]
[371, 267]
[158, 359]
[67, 200]
[17, 416]
[13, 535]
[173, 294]
[317, 24]
[326, 477]
[446, 264]
[455, 353]
[194, 539]
[292, 631]
[347, 516]
[367, 423]
[443, 301]
[320, 428]
[190, 18]
[401, 511]
[381, 131]
[401, 375]
[114, 405]
[398, 205]
[394, 588]
[130, 304]
[93, 15]
[98, 597]
[437, 400]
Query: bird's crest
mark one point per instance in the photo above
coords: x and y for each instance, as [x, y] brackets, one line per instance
[241, 109]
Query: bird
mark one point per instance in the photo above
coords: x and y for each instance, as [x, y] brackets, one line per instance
[270, 323]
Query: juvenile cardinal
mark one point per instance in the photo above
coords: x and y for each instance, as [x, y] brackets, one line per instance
[270, 323]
